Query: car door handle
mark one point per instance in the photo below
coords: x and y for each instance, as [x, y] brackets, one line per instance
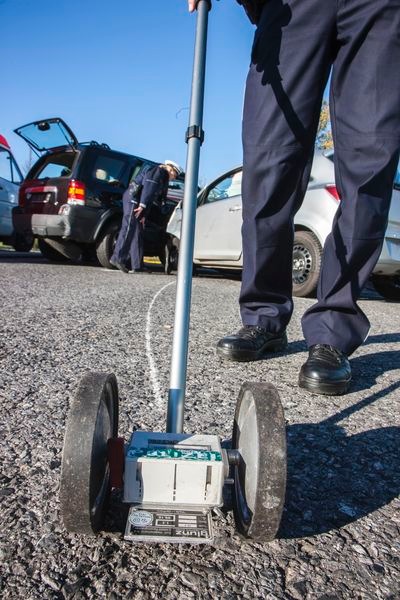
[235, 208]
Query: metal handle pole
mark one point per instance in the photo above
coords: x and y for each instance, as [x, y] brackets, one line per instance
[194, 136]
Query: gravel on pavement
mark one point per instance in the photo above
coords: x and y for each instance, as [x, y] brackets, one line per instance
[339, 536]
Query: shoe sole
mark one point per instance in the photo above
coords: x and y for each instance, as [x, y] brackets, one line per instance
[119, 267]
[326, 389]
[249, 355]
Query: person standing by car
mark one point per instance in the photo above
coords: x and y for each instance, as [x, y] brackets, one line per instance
[149, 186]
[296, 44]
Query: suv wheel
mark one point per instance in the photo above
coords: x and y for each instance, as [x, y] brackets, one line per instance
[105, 245]
[171, 255]
[50, 253]
[388, 287]
[21, 243]
[307, 253]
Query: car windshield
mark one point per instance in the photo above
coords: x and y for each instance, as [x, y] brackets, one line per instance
[53, 165]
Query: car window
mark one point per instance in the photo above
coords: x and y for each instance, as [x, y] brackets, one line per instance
[140, 166]
[109, 169]
[176, 190]
[8, 167]
[53, 165]
[225, 188]
[135, 171]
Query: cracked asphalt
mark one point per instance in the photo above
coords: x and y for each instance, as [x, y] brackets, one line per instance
[339, 536]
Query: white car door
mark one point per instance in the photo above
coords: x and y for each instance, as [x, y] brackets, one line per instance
[219, 222]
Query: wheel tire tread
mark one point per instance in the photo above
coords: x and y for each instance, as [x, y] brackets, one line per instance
[104, 246]
[272, 438]
[76, 458]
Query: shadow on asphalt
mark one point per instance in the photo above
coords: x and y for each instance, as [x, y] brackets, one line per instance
[334, 478]
[381, 361]
[367, 368]
[7, 256]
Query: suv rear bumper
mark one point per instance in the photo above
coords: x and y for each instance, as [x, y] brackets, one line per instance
[79, 225]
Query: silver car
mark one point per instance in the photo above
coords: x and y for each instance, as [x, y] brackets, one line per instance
[219, 219]
[10, 179]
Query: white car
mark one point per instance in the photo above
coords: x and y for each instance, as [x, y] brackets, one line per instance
[218, 242]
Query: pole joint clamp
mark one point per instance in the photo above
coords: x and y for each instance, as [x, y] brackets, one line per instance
[195, 131]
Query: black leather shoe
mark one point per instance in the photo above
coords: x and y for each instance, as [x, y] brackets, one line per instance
[326, 371]
[119, 266]
[251, 343]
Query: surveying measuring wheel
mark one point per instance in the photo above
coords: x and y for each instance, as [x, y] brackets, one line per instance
[85, 473]
[260, 461]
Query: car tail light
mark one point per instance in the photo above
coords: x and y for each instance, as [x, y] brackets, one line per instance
[76, 192]
[4, 142]
[332, 190]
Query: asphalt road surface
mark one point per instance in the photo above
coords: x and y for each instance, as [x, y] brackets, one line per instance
[339, 536]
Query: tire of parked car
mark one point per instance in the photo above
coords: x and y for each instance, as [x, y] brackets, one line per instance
[21, 243]
[388, 287]
[105, 244]
[50, 253]
[307, 254]
[171, 255]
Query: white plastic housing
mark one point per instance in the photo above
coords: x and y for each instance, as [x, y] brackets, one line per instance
[174, 469]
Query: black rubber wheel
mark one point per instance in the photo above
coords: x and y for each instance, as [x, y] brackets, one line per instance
[50, 253]
[388, 287]
[307, 254]
[105, 245]
[92, 421]
[259, 435]
[171, 256]
[22, 243]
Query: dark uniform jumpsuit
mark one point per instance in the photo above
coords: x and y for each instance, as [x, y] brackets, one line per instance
[296, 44]
[130, 239]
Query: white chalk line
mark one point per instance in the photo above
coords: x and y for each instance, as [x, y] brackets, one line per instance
[155, 382]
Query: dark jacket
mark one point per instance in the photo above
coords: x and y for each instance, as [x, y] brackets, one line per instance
[253, 9]
[153, 187]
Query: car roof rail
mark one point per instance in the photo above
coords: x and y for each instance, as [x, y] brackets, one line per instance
[94, 143]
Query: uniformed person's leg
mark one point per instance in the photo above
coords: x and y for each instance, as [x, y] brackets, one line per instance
[292, 54]
[365, 112]
[123, 243]
[136, 247]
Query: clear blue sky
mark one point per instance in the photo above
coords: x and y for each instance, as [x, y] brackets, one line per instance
[120, 72]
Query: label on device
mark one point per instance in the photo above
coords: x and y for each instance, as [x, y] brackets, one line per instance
[166, 525]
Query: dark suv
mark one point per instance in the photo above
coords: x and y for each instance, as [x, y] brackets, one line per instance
[71, 198]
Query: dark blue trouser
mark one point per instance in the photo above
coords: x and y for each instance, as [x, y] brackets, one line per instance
[130, 237]
[296, 44]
